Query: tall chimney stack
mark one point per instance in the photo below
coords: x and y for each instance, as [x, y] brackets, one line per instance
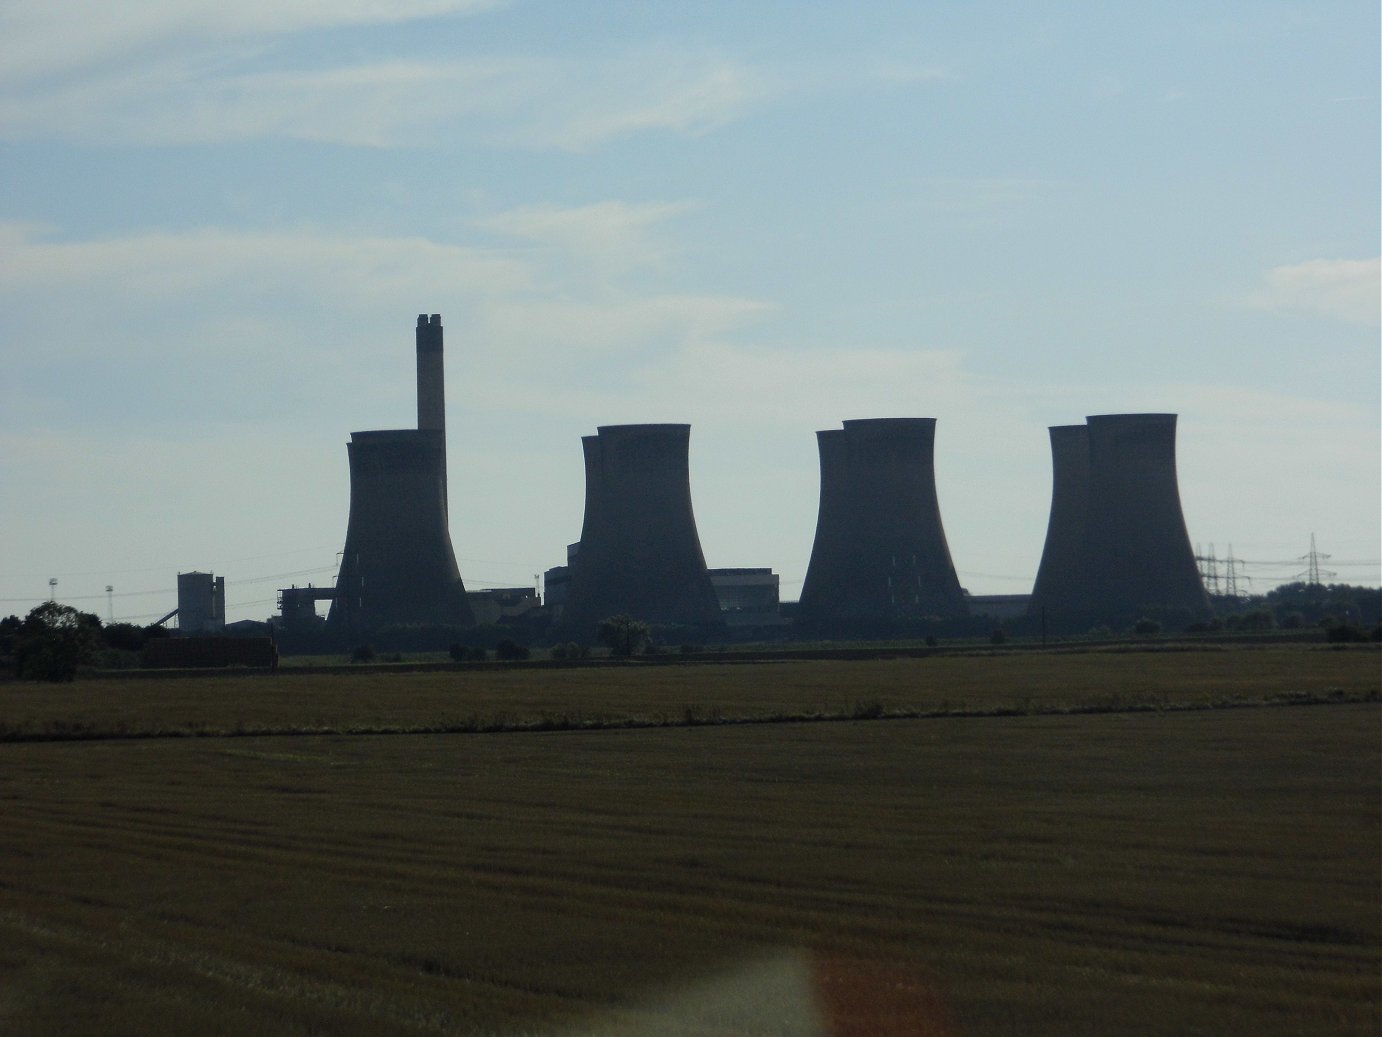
[431, 388]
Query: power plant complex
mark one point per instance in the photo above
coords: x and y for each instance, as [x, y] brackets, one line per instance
[1116, 544]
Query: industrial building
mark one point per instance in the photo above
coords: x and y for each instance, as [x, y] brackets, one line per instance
[1116, 543]
[880, 556]
[398, 566]
[495, 605]
[749, 600]
[639, 552]
[201, 603]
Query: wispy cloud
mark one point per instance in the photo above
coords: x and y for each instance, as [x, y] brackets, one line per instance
[900, 73]
[610, 235]
[1347, 290]
[235, 268]
[212, 75]
[66, 36]
[645, 92]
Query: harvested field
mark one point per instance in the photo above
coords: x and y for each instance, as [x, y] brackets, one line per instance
[1168, 872]
[660, 695]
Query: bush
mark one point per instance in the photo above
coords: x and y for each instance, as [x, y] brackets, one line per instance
[1345, 633]
[458, 652]
[624, 635]
[1145, 627]
[116, 659]
[998, 637]
[931, 641]
[362, 654]
[54, 640]
[510, 650]
[1257, 619]
[125, 637]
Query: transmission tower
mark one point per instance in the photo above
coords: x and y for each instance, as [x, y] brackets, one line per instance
[1231, 565]
[1313, 573]
[1209, 570]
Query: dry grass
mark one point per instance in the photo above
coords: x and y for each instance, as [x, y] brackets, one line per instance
[1152, 873]
[670, 695]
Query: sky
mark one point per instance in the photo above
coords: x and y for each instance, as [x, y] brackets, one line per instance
[219, 222]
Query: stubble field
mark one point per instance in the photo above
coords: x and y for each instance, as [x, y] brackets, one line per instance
[1035, 870]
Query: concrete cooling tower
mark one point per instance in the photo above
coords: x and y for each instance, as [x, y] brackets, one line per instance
[639, 552]
[880, 555]
[398, 565]
[1059, 594]
[1134, 554]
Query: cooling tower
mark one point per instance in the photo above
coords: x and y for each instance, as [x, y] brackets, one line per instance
[1139, 554]
[398, 566]
[1134, 554]
[1058, 595]
[880, 556]
[639, 552]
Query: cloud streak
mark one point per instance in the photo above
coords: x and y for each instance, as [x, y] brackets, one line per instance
[205, 94]
[1348, 290]
[66, 36]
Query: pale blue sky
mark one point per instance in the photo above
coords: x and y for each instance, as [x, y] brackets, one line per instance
[219, 222]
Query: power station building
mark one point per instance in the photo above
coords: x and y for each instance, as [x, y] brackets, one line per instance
[398, 566]
[639, 553]
[880, 557]
[1116, 543]
[201, 603]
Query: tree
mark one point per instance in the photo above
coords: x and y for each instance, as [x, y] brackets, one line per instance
[624, 635]
[54, 640]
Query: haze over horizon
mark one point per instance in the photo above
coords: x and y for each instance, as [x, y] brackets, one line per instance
[220, 222]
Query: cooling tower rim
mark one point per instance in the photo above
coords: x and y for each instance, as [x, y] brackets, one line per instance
[1153, 418]
[396, 435]
[1068, 434]
[668, 429]
[887, 423]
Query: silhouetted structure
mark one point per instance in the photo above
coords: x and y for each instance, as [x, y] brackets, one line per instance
[398, 566]
[1134, 554]
[1059, 596]
[201, 603]
[880, 560]
[639, 552]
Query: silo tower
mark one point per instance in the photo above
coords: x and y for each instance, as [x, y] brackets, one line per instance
[880, 556]
[639, 552]
[398, 565]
